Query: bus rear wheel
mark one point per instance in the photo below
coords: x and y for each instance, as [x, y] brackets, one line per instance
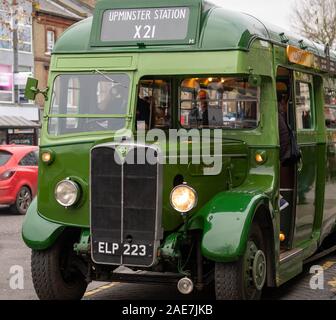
[244, 279]
[55, 276]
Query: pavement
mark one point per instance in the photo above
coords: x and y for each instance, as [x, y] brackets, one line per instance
[15, 259]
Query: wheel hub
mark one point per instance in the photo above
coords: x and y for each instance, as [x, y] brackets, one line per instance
[256, 269]
[259, 270]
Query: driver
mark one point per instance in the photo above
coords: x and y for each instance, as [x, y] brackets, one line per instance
[112, 103]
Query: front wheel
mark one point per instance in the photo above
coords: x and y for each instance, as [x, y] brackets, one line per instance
[244, 279]
[54, 274]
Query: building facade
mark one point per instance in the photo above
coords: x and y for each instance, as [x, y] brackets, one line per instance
[16, 64]
[19, 17]
[51, 19]
[28, 31]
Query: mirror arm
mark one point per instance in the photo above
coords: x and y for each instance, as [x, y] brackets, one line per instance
[43, 92]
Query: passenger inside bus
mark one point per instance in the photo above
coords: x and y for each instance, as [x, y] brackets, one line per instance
[154, 106]
[285, 150]
[219, 103]
[143, 112]
[285, 144]
[112, 101]
[203, 97]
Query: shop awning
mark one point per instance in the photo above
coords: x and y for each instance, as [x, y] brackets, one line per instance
[12, 122]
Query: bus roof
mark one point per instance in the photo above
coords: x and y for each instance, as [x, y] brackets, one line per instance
[218, 29]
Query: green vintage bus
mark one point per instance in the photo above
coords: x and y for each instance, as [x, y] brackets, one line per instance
[138, 69]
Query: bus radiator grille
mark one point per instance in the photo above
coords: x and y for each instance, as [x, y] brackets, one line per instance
[124, 206]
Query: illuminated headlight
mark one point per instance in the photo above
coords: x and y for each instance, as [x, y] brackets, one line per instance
[183, 198]
[67, 193]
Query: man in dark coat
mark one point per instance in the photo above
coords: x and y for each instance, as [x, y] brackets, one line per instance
[204, 101]
[143, 111]
[285, 144]
[284, 133]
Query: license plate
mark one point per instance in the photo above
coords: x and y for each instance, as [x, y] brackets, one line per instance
[123, 249]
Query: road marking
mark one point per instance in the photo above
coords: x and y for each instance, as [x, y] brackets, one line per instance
[328, 265]
[100, 289]
[332, 283]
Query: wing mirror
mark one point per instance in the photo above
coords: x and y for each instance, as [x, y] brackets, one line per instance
[32, 90]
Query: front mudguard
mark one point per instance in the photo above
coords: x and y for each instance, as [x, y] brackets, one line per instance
[38, 233]
[226, 222]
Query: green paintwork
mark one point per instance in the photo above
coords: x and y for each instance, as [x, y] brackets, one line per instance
[228, 44]
[226, 219]
[170, 248]
[38, 233]
[226, 222]
[83, 246]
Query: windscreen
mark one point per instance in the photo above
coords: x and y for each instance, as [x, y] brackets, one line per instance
[88, 103]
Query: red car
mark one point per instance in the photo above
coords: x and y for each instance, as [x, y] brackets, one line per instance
[18, 176]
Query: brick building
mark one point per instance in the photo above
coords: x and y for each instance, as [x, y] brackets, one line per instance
[39, 23]
[50, 20]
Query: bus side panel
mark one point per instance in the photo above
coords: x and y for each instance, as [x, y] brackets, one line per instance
[329, 218]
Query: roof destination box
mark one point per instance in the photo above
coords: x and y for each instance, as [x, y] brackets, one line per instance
[142, 23]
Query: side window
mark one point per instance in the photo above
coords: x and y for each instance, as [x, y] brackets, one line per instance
[228, 103]
[29, 160]
[304, 108]
[330, 108]
[154, 105]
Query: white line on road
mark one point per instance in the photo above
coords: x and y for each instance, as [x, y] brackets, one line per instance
[100, 289]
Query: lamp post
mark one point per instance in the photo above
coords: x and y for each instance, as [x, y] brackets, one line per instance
[14, 22]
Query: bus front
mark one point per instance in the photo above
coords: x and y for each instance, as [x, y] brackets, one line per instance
[151, 132]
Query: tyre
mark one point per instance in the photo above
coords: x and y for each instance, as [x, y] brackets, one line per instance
[54, 273]
[244, 279]
[22, 202]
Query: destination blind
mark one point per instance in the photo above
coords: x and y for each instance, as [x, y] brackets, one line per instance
[143, 25]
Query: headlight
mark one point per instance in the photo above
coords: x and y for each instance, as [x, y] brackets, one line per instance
[183, 198]
[67, 193]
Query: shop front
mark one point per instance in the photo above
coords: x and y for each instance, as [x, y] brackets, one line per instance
[18, 130]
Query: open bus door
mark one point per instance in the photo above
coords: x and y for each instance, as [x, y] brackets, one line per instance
[298, 181]
[307, 136]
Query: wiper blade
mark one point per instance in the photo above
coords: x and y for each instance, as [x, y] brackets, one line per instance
[108, 78]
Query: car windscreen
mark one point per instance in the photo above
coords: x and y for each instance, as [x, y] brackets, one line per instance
[4, 157]
[88, 103]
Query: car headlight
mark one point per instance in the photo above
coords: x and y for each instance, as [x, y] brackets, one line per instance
[183, 198]
[67, 193]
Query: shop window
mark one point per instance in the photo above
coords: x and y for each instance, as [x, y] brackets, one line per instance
[5, 33]
[25, 38]
[25, 72]
[6, 83]
[24, 28]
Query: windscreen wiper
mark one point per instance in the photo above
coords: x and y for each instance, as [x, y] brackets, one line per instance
[108, 78]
